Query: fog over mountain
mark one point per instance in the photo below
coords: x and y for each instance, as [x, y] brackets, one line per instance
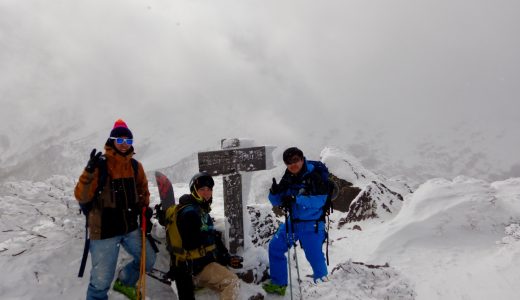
[406, 89]
[420, 89]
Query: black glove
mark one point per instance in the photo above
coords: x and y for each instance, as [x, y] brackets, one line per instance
[148, 215]
[287, 201]
[277, 188]
[160, 214]
[171, 274]
[235, 261]
[93, 161]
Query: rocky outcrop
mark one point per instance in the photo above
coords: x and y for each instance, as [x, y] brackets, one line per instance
[263, 224]
[373, 201]
[361, 194]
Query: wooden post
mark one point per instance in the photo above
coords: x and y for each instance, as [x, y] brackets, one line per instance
[229, 162]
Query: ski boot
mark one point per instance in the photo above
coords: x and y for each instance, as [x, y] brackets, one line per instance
[129, 291]
[272, 288]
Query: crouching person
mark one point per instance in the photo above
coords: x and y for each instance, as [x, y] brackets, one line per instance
[198, 255]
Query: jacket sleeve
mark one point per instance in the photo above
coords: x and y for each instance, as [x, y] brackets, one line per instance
[222, 252]
[143, 193]
[311, 201]
[86, 186]
[315, 195]
[276, 200]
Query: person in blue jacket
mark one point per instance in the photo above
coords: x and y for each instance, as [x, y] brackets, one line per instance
[302, 193]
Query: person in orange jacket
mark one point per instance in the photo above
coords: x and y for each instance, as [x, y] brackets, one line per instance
[112, 209]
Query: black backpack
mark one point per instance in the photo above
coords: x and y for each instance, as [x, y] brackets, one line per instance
[322, 169]
[103, 176]
[328, 208]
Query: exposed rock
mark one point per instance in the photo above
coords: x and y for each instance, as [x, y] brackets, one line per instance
[257, 297]
[263, 224]
[361, 194]
[344, 193]
[256, 275]
[263, 227]
[376, 199]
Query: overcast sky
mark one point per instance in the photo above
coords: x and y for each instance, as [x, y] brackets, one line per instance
[275, 71]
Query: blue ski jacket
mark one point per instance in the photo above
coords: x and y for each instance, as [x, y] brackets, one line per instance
[309, 191]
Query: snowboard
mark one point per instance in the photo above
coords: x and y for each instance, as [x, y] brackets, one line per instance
[165, 190]
[158, 287]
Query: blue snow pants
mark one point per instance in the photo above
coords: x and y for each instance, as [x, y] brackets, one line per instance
[104, 253]
[311, 242]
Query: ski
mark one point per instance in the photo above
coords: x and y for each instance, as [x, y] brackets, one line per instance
[165, 190]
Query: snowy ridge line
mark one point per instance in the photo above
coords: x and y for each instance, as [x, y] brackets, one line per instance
[451, 239]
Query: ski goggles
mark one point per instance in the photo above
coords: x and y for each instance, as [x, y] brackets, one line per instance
[119, 140]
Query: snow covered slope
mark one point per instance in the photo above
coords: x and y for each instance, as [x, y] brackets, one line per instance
[451, 239]
[454, 239]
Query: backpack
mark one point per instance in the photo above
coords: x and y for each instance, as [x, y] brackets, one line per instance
[87, 207]
[173, 236]
[328, 207]
[103, 176]
[322, 169]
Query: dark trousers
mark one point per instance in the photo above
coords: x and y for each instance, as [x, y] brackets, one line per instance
[184, 282]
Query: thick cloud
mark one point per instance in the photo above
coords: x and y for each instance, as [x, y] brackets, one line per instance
[382, 76]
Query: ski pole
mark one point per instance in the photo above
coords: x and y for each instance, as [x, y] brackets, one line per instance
[327, 233]
[85, 251]
[141, 286]
[298, 272]
[287, 236]
[296, 256]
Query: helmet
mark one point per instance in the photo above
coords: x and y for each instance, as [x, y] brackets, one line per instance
[201, 179]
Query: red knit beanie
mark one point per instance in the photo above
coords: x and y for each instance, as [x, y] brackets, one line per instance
[120, 129]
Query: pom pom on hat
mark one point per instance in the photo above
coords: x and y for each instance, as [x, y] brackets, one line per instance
[120, 129]
[120, 123]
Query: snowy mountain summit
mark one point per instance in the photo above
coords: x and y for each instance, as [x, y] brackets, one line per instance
[448, 239]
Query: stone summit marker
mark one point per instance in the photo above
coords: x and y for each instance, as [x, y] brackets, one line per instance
[229, 162]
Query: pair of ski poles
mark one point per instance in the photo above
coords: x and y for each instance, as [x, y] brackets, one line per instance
[291, 242]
